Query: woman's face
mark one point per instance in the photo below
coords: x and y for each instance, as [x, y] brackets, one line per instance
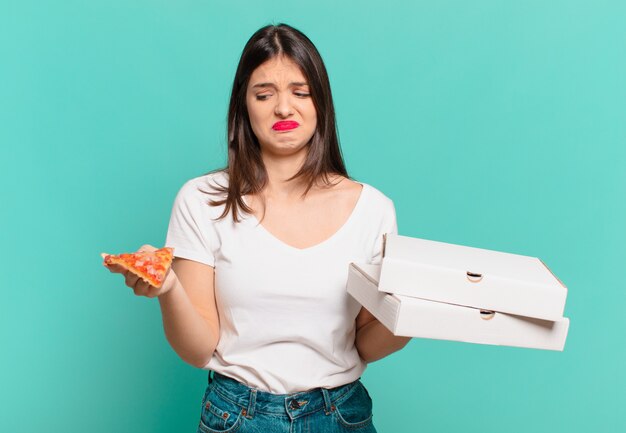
[280, 107]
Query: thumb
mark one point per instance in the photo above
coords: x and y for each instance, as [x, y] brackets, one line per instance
[147, 248]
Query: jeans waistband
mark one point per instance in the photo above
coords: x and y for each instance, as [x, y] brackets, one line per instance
[294, 405]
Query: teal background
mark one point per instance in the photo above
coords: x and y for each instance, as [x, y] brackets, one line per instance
[494, 124]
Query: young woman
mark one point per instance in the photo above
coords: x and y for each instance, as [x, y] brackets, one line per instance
[257, 290]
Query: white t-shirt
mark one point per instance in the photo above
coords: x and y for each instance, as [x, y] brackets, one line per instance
[287, 323]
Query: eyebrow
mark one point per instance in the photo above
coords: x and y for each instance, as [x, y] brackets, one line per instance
[293, 83]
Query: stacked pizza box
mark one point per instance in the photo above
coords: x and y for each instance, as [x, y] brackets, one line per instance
[443, 291]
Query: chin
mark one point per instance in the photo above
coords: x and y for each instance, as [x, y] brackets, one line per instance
[286, 149]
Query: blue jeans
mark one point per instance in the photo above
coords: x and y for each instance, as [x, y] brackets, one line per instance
[229, 406]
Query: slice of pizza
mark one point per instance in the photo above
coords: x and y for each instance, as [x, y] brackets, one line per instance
[151, 266]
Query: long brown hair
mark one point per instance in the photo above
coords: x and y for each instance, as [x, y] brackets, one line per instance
[246, 171]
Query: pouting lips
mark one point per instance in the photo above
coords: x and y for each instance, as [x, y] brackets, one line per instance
[285, 125]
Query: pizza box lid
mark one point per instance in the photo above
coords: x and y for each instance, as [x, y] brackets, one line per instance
[472, 277]
[413, 317]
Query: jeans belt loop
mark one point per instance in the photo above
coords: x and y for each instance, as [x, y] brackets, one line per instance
[328, 406]
[251, 404]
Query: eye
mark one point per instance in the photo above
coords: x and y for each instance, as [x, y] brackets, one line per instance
[298, 94]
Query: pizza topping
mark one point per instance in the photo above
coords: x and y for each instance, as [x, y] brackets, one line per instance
[151, 266]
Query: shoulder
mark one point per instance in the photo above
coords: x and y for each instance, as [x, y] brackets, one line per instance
[370, 194]
[212, 182]
[377, 195]
[196, 192]
[381, 210]
[377, 199]
[376, 203]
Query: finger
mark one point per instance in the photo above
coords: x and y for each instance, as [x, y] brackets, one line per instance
[131, 280]
[115, 268]
[153, 291]
[147, 247]
[138, 288]
[141, 288]
[104, 258]
[140, 285]
[139, 292]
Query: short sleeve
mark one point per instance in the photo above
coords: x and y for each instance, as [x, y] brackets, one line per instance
[388, 224]
[191, 231]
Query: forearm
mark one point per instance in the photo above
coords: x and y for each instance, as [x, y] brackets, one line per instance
[186, 330]
[374, 341]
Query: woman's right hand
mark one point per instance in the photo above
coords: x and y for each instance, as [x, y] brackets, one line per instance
[139, 286]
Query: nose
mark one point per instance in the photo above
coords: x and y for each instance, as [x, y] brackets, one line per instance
[283, 106]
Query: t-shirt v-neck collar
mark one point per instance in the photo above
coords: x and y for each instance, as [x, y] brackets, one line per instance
[353, 215]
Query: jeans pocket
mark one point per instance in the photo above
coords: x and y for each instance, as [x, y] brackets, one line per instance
[355, 409]
[219, 415]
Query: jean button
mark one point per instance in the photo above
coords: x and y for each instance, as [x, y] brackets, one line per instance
[294, 405]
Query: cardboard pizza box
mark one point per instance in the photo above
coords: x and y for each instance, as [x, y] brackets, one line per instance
[413, 317]
[471, 277]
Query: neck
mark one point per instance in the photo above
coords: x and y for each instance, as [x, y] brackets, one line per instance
[280, 168]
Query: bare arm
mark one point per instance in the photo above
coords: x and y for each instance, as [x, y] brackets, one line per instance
[190, 317]
[187, 299]
[373, 340]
